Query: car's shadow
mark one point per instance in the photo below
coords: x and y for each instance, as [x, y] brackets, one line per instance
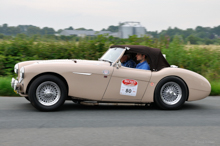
[69, 106]
[72, 106]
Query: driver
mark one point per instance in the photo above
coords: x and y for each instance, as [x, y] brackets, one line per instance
[143, 63]
[126, 61]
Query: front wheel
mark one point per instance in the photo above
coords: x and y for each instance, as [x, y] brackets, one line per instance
[170, 93]
[47, 93]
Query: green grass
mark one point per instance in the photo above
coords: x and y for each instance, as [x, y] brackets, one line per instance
[215, 87]
[6, 90]
[5, 87]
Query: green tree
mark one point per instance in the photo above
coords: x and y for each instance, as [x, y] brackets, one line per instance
[31, 30]
[47, 30]
[4, 29]
[1, 30]
[193, 39]
[208, 41]
[216, 30]
[59, 31]
[113, 28]
[70, 28]
[81, 28]
[13, 31]
[1, 36]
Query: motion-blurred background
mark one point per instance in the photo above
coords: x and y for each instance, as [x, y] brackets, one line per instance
[187, 31]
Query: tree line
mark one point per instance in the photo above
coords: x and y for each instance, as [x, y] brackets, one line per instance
[199, 35]
[25, 29]
[31, 30]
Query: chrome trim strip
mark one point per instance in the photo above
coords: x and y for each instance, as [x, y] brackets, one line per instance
[81, 73]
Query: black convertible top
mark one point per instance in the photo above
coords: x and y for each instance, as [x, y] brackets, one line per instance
[154, 55]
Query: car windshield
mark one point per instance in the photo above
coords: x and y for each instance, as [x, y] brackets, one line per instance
[112, 55]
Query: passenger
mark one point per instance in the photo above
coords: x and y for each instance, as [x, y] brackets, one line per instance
[143, 63]
[126, 61]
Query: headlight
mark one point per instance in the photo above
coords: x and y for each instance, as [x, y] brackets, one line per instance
[12, 82]
[21, 74]
[15, 85]
[16, 68]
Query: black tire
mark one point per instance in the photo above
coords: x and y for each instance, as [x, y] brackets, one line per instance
[47, 93]
[170, 93]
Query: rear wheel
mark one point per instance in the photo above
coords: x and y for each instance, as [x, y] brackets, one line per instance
[170, 93]
[47, 93]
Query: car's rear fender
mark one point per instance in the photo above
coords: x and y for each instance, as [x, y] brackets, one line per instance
[198, 86]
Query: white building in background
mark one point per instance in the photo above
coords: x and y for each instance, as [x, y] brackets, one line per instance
[126, 29]
[130, 28]
[83, 33]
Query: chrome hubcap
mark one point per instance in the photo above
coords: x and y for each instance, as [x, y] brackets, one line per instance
[171, 93]
[48, 93]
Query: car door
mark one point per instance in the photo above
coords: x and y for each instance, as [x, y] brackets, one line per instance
[89, 81]
[127, 84]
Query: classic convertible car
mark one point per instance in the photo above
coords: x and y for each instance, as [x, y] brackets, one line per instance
[48, 83]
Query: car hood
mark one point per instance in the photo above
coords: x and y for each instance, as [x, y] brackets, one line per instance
[75, 61]
[65, 61]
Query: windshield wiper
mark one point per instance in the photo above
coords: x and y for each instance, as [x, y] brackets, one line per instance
[106, 61]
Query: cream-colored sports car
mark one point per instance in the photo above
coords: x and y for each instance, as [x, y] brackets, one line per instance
[48, 83]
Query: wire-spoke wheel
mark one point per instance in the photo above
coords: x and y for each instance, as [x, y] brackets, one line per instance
[47, 92]
[170, 93]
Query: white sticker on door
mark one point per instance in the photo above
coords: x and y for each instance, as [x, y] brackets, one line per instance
[129, 87]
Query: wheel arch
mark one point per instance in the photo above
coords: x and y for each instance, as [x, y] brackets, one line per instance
[48, 73]
[187, 88]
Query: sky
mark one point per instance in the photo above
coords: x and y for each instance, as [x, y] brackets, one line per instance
[154, 15]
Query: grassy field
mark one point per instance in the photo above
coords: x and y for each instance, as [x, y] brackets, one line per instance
[6, 90]
[210, 47]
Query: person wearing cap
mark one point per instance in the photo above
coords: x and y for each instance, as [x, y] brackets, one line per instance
[143, 63]
[126, 61]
